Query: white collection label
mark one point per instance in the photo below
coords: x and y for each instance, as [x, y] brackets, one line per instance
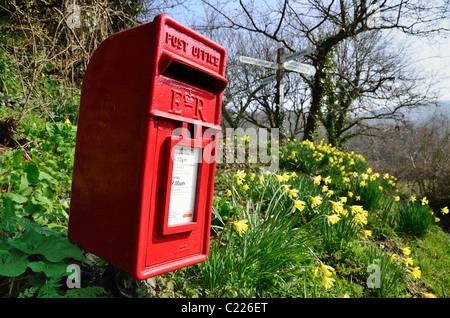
[184, 184]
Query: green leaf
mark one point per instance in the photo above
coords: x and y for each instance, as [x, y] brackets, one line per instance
[16, 197]
[9, 211]
[17, 157]
[32, 173]
[49, 269]
[53, 248]
[12, 262]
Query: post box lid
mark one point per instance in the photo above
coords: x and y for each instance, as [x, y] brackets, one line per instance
[189, 77]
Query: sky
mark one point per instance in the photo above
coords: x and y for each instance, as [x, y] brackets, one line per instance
[432, 57]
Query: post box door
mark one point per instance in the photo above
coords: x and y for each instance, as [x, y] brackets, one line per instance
[180, 216]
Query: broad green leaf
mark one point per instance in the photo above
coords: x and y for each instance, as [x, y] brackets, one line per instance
[17, 157]
[32, 173]
[16, 197]
[53, 248]
[50, 269]
[12, 262]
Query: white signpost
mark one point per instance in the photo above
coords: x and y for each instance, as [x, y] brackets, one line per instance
[299, 67]
[283, 63]
[298, 54]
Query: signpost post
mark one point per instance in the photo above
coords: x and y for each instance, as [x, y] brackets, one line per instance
[284, 62]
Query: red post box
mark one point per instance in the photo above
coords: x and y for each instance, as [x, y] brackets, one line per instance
[144, 165]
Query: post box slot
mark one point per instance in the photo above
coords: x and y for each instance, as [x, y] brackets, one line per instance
[190, 75]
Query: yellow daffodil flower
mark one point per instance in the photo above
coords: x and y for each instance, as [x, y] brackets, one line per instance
[315, 271]
[406, 250]
[396, 198]
[317, 179]
[240, 174]
[412, 198]
[293, 192]
[444, 210]
[394, 257]
[326, 269]
[424, 201]
[333, 218]
[337, 206]
[356, 208]
[367, 232]
[429, 295]
[229, 193]
[241, 226]
[299, 205]
[245, 187]
[327, 282]
[360, 218]
[286, 188]
[317, 200]
[415, 272]
[408, 261]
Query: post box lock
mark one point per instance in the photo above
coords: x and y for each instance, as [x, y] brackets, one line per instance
[144, 167]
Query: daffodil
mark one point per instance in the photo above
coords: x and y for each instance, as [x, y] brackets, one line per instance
[412, 198]
[241, 226]
[280, 178]
[229, 193]
[240, 174]
[429, 295]
[337, 206]
[343, 199]
[245, 187]
[360, 218]
[444, 210]
[424, 201]
[327, 282]
[415, 272]
[406, 250]
[299, 205]
[408, 261]
[394, 257]
[317, 200]
[315, 271]
[356, 208]
[293, 192]
[286, 188]
[317, 179]
[367, 232]
[333, 218]
[326, 269]
[396, 198]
